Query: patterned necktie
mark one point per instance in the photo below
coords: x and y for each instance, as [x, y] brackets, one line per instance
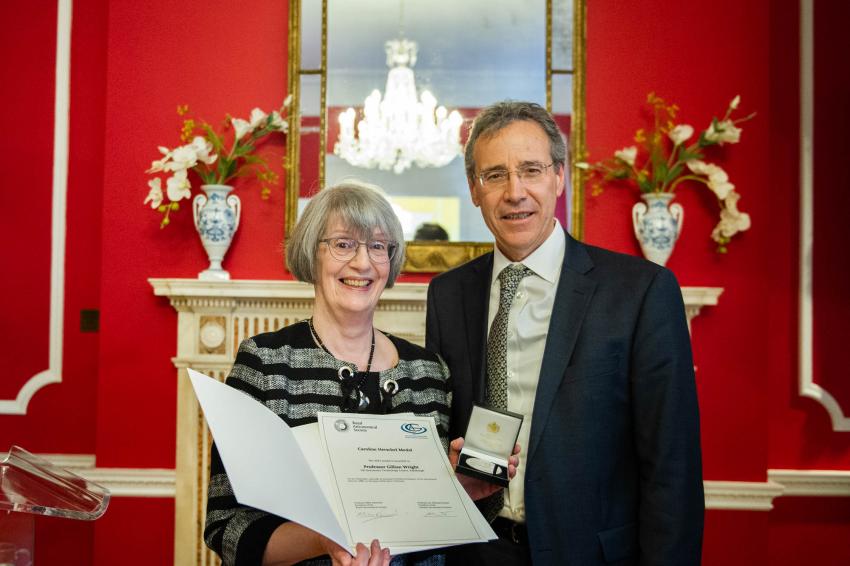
[497, 343]
[497, 361]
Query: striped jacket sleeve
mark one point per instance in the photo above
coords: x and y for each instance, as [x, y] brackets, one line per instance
[237, 533]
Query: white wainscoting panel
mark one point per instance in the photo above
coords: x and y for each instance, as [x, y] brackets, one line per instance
[741, 496]
[808, 387]
[813, 483]
[61, 120]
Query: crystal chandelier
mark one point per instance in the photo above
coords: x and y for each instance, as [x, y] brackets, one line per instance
[400, 130]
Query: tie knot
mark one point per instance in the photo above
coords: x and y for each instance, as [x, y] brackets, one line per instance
[513, 273]
[510, 277]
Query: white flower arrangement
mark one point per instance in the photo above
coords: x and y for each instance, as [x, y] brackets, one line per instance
[669, 163]
[207, 156]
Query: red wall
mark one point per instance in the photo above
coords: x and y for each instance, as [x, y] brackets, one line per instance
[700, 56]
[26, 157]
[34, 131]
[60, 418]
[133, 63]
[632, 51]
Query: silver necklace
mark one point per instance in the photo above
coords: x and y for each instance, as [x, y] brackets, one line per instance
[346, 372]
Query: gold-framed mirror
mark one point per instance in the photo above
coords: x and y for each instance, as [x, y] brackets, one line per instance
[468, 55]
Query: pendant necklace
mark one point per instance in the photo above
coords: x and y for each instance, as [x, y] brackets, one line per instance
[346, 372]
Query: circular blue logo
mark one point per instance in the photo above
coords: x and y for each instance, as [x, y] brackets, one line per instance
[413, 428]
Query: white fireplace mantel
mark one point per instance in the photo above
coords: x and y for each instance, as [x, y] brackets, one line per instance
[215, 316]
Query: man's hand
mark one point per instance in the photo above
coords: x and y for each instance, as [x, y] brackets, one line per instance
[479, 489]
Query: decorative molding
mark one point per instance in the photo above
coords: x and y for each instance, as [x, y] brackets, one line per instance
[697, 297]
[428, 257]
[72, 462]
[254, 292]
[741, 496]
[759, 496]
[812, 483]
[212, 334]
[121, 482]
[53, 373]
[808, 387]
[134, 482]
[729, 495]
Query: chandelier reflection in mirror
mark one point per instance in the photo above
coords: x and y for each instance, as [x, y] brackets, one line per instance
[400, 130]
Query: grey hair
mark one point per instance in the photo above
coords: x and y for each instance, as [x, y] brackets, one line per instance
[361, 208]
[502, 114]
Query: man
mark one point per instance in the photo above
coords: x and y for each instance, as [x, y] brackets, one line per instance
[591, 346]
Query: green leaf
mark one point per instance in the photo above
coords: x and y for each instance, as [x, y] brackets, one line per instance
[675, 171]
[255, 160]
[243, 149]
[213, 138]
[661, 172]
[688, 155]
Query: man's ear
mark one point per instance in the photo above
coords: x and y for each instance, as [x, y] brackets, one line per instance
[472, 193]
[561, 179]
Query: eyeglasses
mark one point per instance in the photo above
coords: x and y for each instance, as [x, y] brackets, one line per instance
[344, 249]
[528, 174]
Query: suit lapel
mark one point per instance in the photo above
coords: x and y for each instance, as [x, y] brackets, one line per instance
[476, 294]
[575, 289]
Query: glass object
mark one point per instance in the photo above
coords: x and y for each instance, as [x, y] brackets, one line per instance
[344, 249]
[528, 174]
[31, 486]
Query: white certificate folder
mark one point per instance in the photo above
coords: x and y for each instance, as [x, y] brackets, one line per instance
[350, 477]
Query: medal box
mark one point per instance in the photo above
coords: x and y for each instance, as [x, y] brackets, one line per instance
[488, 444]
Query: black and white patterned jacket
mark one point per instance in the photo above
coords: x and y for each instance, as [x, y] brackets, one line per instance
[292, 376]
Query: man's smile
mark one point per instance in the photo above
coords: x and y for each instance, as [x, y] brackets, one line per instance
[516, 215]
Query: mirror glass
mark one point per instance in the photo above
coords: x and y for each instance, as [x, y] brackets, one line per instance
[467, 55]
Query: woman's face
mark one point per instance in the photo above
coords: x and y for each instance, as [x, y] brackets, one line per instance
[352, 286]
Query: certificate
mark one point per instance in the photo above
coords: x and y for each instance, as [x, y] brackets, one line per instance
[352, 478]
[391, 476]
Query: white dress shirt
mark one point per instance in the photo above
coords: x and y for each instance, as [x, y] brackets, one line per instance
[528, 326]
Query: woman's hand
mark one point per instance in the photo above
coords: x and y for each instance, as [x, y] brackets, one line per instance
[291, 543]
[479, 489]
[374, 555]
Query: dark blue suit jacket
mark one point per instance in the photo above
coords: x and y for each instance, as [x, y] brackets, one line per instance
[613, 472]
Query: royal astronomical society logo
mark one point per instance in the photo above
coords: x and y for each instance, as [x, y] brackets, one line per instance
[413, 428]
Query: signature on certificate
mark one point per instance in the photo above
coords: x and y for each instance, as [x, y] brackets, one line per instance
[442, 513]
[374, 515]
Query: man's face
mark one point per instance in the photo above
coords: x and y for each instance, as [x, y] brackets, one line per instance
[520, 214]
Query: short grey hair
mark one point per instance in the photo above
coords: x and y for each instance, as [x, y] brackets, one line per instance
[497, 116]
[361, 208]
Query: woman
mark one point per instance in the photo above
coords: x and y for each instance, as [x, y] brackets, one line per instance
[349, 245]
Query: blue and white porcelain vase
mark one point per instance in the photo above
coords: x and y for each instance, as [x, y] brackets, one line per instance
[216, 219]
[657, 225]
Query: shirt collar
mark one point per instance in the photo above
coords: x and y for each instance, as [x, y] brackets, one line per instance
[546, 261]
